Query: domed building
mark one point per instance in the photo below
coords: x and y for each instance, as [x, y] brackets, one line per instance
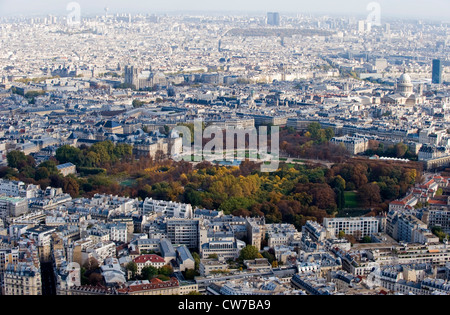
[404, 86]
[404, 93]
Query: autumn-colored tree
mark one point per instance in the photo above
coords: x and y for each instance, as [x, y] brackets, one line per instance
[95, 279]
[71, 186]
[369, 194]
[400, 150]
[91, 264]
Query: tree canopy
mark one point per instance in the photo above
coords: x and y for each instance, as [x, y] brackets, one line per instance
[249, 253]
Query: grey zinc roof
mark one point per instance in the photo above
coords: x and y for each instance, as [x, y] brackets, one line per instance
[184, 253]
[59, 167]
[167, 249]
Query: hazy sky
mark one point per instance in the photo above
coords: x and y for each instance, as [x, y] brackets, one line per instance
[418, 9]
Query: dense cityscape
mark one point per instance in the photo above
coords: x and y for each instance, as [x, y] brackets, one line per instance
[112, 183]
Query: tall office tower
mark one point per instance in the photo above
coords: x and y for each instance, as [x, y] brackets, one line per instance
[388, 28]
[437, 71]
[273, 18]
[361, 26]
[184, 232]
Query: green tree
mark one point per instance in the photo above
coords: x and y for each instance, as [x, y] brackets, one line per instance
[122, 150]
[105, 151]
[314, 128]
[318, 134]
[437, 230]
[138, 103]
[249, 252]
[84, 278]
[42, 173]
[166, 270]
[149, 272]
[340, 196]
[196, 257]
[163, 278]
[14, 158]
[339, 183]
[67, 154]
[231, 204]
[329, 133]
[132, 267]
[29, 172]
[190, 274]
[271, 258]
[91, 159]
[50, 166]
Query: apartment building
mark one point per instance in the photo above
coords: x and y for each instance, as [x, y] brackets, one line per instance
[22, 279]
[12, 188]
[407, 228]
[357, 227]
[84, 250]
[167, 208]
[42, 237]
[12, 207]
[315, 231]
[281, 234]
[437, 217]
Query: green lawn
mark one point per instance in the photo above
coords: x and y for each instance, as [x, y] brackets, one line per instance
[351, 200]
[128, 182]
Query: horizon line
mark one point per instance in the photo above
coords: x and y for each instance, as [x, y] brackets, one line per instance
[208, 12]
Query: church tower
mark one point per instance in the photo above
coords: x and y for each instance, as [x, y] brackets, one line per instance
[131, 76]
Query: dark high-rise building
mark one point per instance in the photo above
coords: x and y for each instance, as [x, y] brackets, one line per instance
[273, 19]
[437, 71]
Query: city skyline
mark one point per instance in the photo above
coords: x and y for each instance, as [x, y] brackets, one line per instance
[276, 153]
[389, 9]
